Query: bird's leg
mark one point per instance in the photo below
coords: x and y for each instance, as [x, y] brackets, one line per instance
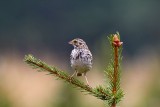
[73, 73]
[86, 79]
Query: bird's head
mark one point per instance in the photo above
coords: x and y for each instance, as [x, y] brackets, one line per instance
[78, 43]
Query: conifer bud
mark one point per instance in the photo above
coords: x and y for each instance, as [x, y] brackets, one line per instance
[116, 41]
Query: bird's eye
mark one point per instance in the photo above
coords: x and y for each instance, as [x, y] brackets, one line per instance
[75, 41]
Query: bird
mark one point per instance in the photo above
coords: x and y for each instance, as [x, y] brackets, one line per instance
[81, 58]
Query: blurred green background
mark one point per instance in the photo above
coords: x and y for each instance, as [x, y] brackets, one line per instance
[43, 28]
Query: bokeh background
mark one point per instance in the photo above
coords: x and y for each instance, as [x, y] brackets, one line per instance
[43, 28]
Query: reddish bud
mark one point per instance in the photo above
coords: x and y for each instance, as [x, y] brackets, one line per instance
[115, 38]
[116, 41]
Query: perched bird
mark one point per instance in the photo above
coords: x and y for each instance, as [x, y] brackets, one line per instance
[81, 58]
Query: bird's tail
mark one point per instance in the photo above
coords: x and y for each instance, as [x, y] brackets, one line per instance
[79, 74]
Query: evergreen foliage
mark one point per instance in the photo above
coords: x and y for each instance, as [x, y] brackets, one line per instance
[112, 94]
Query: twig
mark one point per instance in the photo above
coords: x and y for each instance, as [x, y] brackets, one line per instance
[29, 59]
[116, 45]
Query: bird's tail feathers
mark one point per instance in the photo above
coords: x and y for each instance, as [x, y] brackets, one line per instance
[79, 74]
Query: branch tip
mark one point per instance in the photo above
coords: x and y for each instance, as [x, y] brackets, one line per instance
[116, 41]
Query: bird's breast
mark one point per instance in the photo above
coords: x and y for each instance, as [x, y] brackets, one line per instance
[80, 61]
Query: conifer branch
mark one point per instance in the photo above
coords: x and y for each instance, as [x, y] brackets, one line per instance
[112, 94]
[98, 92]
[113, 70]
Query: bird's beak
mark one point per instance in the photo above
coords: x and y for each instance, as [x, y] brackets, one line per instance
[71, 42]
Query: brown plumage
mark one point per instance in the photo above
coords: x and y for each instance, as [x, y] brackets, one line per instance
[81, 58]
